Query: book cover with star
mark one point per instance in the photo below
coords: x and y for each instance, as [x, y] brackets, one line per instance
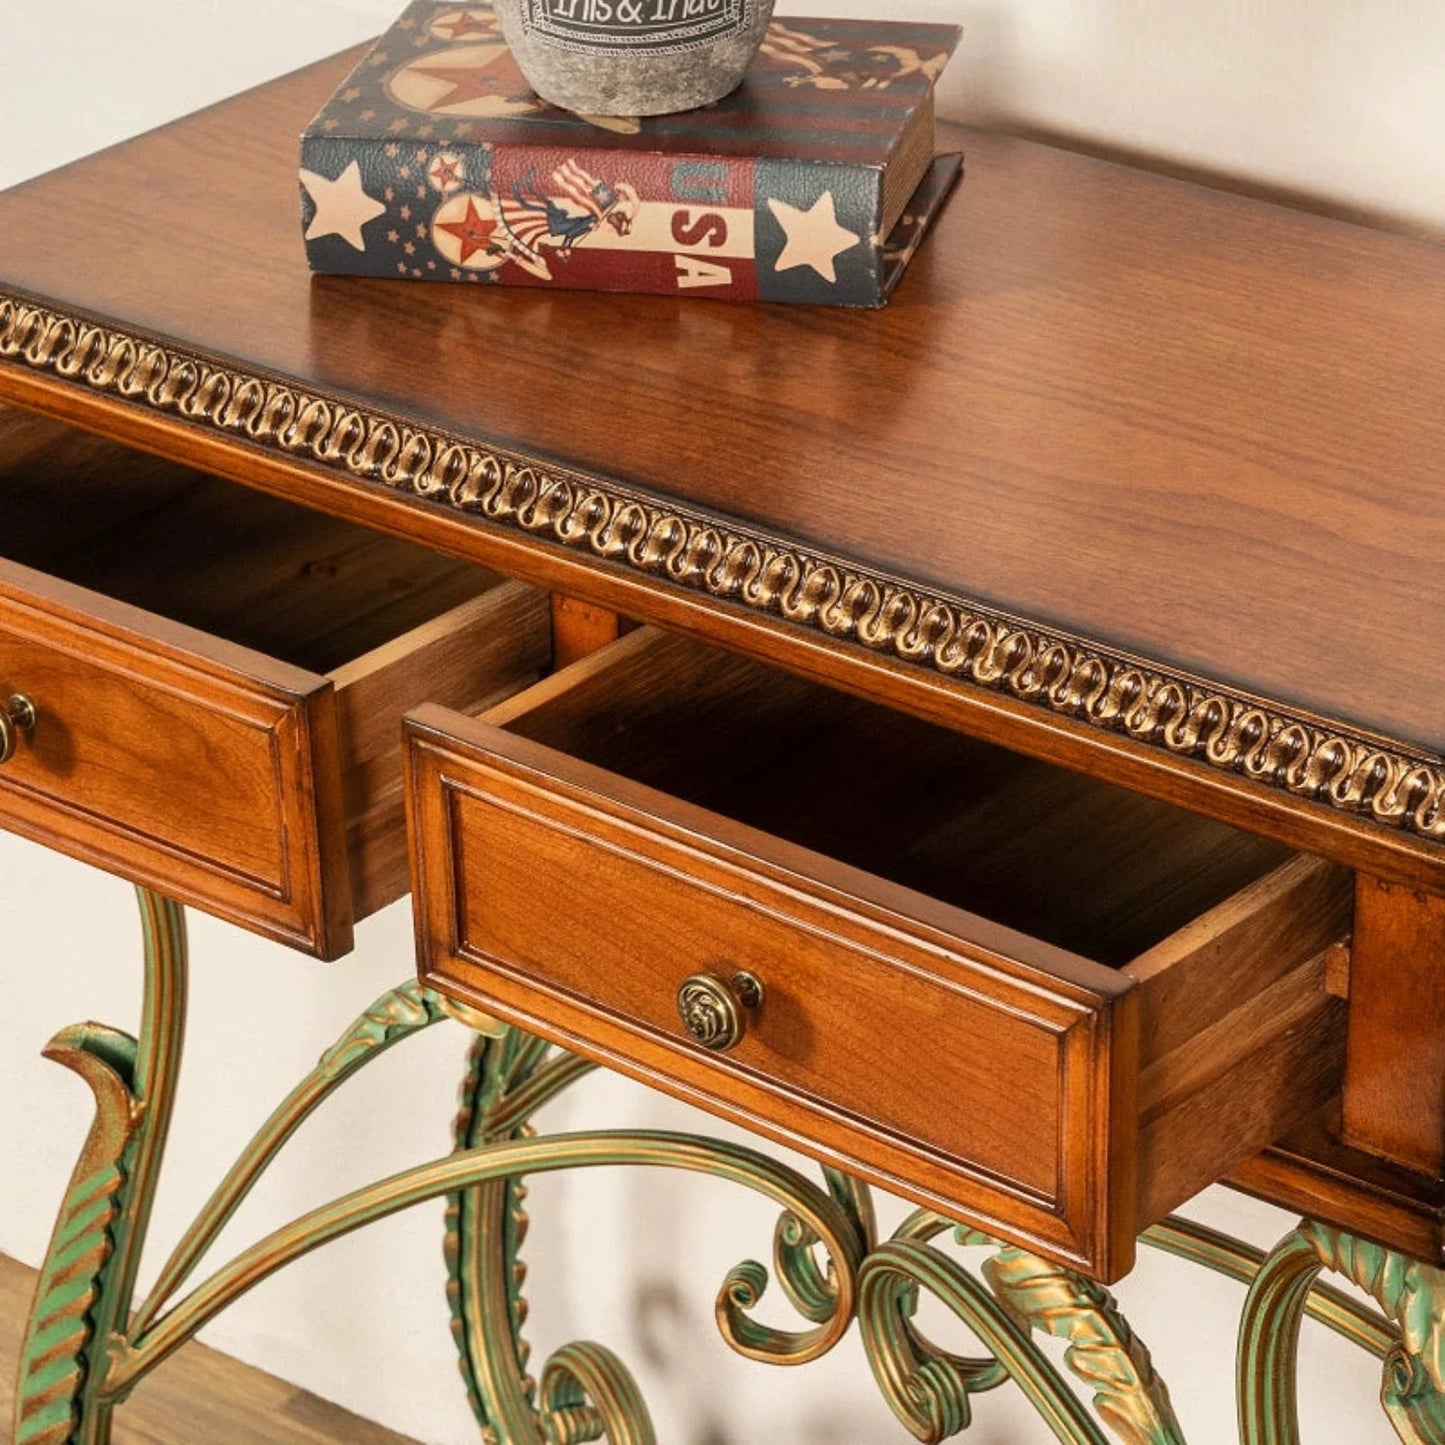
[814, 182]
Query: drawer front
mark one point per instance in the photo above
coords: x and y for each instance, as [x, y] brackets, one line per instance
[941, 1056]
[184, 763]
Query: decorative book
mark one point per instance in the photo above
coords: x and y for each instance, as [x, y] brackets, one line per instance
[813, 182]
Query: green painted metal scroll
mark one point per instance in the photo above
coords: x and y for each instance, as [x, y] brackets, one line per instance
[1412, 1296]
[929, 1390]
[85, 1348]
[88, 1275]
[56, 1359]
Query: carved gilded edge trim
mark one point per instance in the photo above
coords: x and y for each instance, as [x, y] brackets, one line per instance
[1188, 717]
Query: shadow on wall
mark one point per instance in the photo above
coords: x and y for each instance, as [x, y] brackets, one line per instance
[1299, 200]
[672, 1335]
[997, 71]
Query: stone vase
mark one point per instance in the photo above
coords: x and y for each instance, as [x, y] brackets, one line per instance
[633, 57]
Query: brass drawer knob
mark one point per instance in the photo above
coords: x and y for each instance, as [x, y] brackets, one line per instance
[715, 1011]
[17, 715]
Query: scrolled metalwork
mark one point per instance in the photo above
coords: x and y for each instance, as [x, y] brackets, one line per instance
[930, 1387]
[77, 1327]
[979, 1373]
[1410, 1292]
[952, 636]
[84, 1350]
[586, 1390]
[810, 1283]
[925, 1388]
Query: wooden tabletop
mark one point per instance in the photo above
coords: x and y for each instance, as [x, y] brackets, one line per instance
[1164, 440]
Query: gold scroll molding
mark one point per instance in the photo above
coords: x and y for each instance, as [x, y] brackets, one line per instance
[1303, 756]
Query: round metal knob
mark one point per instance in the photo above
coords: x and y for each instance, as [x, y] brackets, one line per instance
[715, 1011]
[17, 715]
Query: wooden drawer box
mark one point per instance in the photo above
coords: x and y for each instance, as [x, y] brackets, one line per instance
[219, 677]
[1049, 1005]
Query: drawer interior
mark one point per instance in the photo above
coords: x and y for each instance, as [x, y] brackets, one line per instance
[387, 624]
[1093, 868]
[257, 570]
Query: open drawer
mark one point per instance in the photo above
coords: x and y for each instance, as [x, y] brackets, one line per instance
[1039, 1002]
[216, 679]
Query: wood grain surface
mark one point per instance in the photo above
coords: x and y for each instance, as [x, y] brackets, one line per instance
[1395, 1096]
[312, 590]
[1198, 427]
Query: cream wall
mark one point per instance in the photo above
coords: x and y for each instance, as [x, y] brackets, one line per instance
[1341, 101]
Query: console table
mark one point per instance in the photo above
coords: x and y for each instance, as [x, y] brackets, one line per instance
[1018, 782]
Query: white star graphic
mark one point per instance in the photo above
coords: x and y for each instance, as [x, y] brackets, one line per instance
[342, 206]
[814, 236]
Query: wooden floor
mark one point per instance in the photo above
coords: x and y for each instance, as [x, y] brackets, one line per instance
[199, 1397]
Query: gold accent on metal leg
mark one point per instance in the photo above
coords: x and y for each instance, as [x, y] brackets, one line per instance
[930, 1390]
[472, 1018]
[1412, 1295]
[1103, 1352]
[55, 1358]
[79, 1320]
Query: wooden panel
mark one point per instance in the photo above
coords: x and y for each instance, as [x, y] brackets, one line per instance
[1311, 1172]
[459, 659]
[1197, 978]
[467, 659]
[1284, 1058]
[259, 571]
[175, 759]
[1394, 1102]
[1240, 1035]
[1019, 1054]
[579, 628]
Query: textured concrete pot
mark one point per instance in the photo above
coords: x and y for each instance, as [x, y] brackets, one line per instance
[633, 57]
